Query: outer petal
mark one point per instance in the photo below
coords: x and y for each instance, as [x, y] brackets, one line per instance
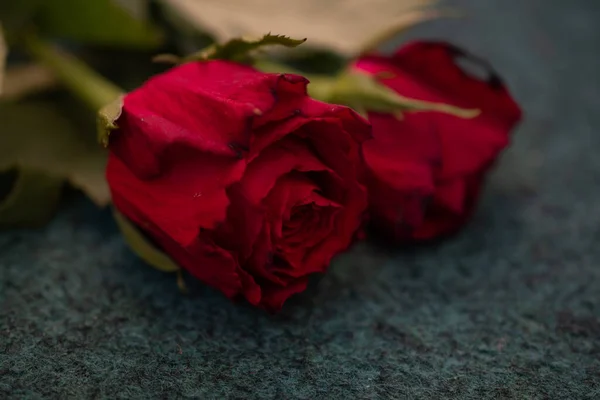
[275, 296]
[202, 257]
[185, 198]
[208, 106]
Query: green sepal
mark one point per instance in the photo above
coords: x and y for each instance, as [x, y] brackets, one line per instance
[106, 119]
[365, 93]
[142, 247]
[237, 49]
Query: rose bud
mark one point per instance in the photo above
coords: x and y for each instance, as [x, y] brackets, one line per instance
[239, 176]
[427, 168]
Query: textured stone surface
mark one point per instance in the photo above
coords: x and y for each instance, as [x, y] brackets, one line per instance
[510, 308]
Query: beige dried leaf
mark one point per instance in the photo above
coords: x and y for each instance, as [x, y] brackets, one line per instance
[344, 26]
[23, 80]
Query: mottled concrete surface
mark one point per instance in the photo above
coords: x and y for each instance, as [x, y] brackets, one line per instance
[510, 308]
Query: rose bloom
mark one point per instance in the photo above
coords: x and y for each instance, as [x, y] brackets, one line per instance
[239, 176]
[426, 168]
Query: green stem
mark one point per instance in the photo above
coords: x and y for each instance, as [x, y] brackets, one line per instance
[79, 78]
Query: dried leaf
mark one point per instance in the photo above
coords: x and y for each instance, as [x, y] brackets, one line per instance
[344, 26]
[38, 142]
[142, 247]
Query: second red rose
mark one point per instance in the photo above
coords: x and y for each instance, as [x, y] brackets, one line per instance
[426, 169]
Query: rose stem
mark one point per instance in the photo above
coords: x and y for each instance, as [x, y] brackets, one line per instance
[79, 78]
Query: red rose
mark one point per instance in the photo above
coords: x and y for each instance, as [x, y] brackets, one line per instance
[239, 176]
[427, 168]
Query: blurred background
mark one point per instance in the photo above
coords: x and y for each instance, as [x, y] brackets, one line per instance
[510, 308]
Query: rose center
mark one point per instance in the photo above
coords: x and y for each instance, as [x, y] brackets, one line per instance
[307, 226]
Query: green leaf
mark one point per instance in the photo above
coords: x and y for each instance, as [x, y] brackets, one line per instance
[43, 147]
[237, 49]
[106, 120]
[95, 21]
[142, 246]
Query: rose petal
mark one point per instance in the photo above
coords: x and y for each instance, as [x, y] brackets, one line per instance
[403, 154]
[211, 105]
[260, 263]
[442, 220]
[242, 226]
[275, 296]
[397, 212]
[309, 110]
[188, 196]
[357, 127]
[282, 157]
[202, 257]
[302, 237]
[345, 223]
[451, 195]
